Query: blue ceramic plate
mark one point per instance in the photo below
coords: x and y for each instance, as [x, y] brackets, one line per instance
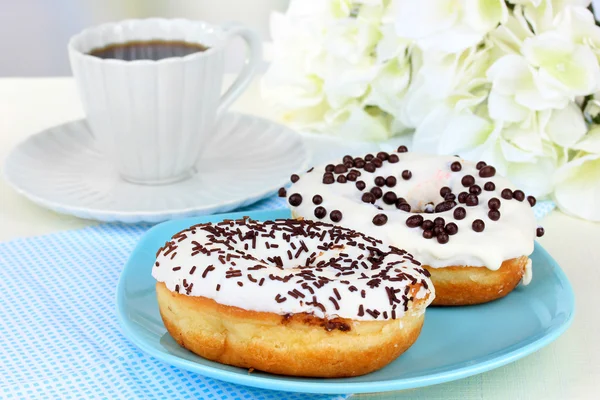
[455, 342]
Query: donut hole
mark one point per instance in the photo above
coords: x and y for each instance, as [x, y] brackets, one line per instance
[423, 208]
[425, 196]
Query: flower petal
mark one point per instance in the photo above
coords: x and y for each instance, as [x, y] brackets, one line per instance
[514, 154]
[566, 126]
[505, 108]
[346, 81]
[564, 66]
[359, 124]
[485, 15]
[419, 19]
[577, 187]
[533, 177]
[590, 143]
[388, 87]
[452, 40]
[509, 74]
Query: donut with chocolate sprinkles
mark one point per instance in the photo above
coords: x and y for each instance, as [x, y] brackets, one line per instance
[294, 283]
[449, 187]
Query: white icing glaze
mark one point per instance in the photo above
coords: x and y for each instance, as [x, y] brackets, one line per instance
[511, 236]
[184, 265]
[528, 273]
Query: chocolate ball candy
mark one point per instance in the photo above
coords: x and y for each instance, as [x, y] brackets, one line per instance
[336, 215]
[380, 219]
[295, 199]
[320, 212]
[414, 221]
[478, 225]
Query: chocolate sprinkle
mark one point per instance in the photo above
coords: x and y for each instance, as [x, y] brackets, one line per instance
[475, 189]
[336, 215]
[370, 167]
[467, 180]
[494, 203]
[294, 178]
[451, 228]
[390, 181]
[295, 199]
[472, 200]
[494, 215]
[480, 164]
[382, 155]
[443, 238]
[519, 195]
[539, 232]
[414, 221]
[507, 194]
[340, 169]
[361, 185]
[380, 181]
[478, 225]
[460, 213]
[462, 197]
[427, 224]
[393, 159]
[404, 206]
[377, 192]
[406, 174]
[455, 166]
[445, 206]
[380, 219]
[489, 186]
[445, 191]
[282, 192]
[368, 198]
[428, 234]
[402, 149]
[389, 198]
[531, 200]
[328, 180]
[320, 212]
[341, 179]
[487, 171]
[329, 168]
[317, 199]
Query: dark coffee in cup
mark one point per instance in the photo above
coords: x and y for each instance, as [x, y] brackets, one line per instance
[147, 50]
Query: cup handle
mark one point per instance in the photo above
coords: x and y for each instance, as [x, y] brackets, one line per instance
[249, 69]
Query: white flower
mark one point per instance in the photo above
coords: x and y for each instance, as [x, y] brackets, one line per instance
[453, 80]
[517, 85]
[355, 121]
[351, 39]
[563, 66]
[565, 126]
[541, 14]
[577, 187]
[448, 25]
[518, 152]
[577, 183]
[388, 88]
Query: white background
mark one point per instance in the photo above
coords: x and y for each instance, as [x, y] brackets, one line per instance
[34, 33]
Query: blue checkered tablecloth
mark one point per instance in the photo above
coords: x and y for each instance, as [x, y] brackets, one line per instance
[59, 335]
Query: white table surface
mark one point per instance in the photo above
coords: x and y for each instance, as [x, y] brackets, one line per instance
[569, 368]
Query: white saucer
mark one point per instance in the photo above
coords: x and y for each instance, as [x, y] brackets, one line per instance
[248, 159]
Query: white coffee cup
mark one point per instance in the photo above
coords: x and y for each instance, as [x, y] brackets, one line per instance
[153, 117]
